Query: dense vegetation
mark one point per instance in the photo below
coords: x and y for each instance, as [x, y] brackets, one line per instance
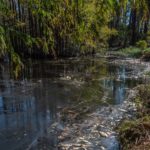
[56, 28]
[67, 27]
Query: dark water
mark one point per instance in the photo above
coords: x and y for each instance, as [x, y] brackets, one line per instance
[29, 105]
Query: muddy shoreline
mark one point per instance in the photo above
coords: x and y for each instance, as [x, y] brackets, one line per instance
[97, 131]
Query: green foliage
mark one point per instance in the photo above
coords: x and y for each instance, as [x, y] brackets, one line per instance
[59, 24]
[105, 34]
[55, 26]
[3, 45]
[148, 38]
[134, 52]
[92, 31]
[146, 53]
[131, 52]
[17, 64]
[144, 97]
[131, 19]
[142, 44]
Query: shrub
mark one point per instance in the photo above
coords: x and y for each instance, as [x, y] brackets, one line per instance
[142, 44]
[133, 132]
[146, 53]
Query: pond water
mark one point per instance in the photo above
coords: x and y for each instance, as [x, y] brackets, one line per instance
[29, 105]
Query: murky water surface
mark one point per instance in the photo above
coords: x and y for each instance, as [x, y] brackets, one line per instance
[29, 105]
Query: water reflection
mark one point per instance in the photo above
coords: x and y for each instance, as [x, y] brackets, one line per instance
[118, 83]
[29, 106]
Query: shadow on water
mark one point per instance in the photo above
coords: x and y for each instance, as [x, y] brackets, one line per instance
[29, 105]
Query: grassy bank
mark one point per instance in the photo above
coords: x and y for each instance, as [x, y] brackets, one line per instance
[134, 52]
[135, 133]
